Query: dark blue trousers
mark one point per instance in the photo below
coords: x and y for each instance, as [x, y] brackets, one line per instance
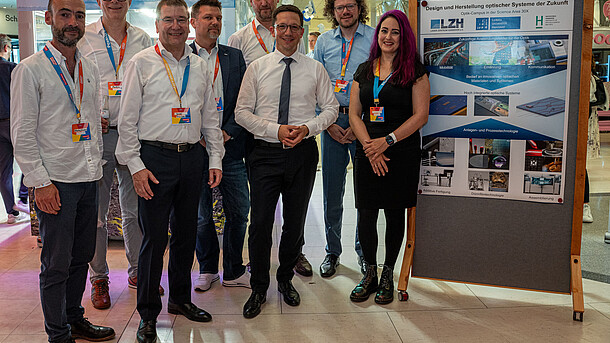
[68, 244]
[175, 202]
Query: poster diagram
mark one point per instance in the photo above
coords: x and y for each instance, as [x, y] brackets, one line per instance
[498, 75]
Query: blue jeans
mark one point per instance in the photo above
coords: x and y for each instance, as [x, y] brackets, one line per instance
[68, 244]
[236, 205]
[335, 158]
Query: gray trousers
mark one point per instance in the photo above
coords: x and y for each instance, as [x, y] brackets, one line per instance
[132, 235]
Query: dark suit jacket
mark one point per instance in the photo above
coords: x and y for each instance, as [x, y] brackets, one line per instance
[6, 68]
[232, 67]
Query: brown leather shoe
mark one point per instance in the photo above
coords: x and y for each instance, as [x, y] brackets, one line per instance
[99, 294]
[303, 266]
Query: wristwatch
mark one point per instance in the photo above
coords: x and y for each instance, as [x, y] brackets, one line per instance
[390, 140]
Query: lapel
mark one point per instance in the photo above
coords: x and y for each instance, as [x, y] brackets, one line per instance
[223, 58]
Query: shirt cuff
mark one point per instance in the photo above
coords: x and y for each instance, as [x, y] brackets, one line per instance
[135, 165]
[215, 162]
[272, 130]
[38, 177]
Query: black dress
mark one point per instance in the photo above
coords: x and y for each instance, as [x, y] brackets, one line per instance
[398, 188]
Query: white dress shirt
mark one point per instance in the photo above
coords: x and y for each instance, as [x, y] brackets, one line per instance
[245, 40]
[217, 86]
[93, 46]
[259, 96]
[42, 116]
[148, 99]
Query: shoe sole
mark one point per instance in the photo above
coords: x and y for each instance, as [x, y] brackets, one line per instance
[101, 307]
[199, 289]
[304, 273]
[236, 285]
[359, 300]
[102, 339]
[383, 302]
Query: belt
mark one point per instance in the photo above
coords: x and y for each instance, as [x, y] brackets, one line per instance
[344, 109]
[262, 143]
[181, 147]
[5, 119]
[112, 127]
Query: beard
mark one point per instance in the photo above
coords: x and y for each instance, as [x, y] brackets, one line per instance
[214, 35]
[60, 33]
[349, 24]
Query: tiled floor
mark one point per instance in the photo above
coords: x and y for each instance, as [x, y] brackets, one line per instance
[436, 311]
[599, 168]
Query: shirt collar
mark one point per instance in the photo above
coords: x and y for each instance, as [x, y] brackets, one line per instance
[187, 51]
[359, 31]
[278, 56]
[99, 27]
[58, 55]
[214, 49]
[259, 25]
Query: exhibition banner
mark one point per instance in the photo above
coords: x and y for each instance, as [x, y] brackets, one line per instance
[498, 82]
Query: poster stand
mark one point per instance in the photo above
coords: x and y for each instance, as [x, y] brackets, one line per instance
[576, 288]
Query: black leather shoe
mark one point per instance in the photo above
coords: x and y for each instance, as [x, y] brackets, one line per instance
[190, 311]
[362, 263]
[303, 266]
[85, 330]
[147, 331]
[385, 292]
[252, 307]
[67, 340]
[291, 296]
[366, 286]
[329, 266]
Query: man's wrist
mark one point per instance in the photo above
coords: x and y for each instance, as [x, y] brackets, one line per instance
[45, 184]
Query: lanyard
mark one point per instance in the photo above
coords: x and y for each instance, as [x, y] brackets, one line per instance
[216, 67]
[185, 78]
[344, 56]
[111, 53]
[376, 86]
[65, 82]
[260, 39]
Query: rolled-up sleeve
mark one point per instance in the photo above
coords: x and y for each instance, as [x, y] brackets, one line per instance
[128, 145]
[210, 128]
[25, 110]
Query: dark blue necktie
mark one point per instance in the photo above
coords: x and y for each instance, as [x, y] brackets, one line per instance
[282, 117]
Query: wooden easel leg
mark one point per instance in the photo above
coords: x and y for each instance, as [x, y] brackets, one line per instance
[407, 259]
[578, 303]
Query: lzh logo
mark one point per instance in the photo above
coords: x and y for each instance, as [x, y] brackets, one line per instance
[453, 23]
[539, 21]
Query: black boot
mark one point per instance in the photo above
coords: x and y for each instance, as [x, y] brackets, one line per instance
[385, 292]
[367, 285]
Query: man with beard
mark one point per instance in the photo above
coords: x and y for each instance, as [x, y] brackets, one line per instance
[166, 107]
[225, 68]
[285, 154]
[111, 42]
[56, 129]
[341, 51]
[256, 40]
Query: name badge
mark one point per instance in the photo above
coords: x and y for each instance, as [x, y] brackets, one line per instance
[218, 103]
[115, 88]
[377, 115]
[81, 132]
[341, 86]
[181, 115]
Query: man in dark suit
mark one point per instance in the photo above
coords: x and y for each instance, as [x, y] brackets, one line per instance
[6, 147]
[226, 67]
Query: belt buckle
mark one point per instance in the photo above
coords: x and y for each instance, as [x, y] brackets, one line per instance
[182, 147]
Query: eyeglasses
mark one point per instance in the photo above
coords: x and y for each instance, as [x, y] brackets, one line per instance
[170, 21]
[349, 7]
[284, 27]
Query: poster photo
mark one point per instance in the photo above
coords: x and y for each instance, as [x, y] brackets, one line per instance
[498, 75]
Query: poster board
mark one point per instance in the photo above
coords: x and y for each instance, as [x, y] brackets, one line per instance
[512, 243]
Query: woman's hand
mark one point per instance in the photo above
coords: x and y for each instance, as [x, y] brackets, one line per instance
[373, 148]
[378, 164]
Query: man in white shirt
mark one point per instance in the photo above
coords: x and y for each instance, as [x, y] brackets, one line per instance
[256, 40]
[110, 43]
[277, 103]
[226, 68]
[57, 137]
[166, 106]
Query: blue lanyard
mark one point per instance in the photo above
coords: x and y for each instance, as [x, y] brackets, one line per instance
[60, 73]
[109, 49]
[377, 87]
[185, 79]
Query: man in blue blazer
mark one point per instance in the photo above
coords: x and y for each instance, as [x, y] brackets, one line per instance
[226, 68]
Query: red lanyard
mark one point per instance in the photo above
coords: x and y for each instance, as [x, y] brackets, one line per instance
[258, 36]
[216, 67]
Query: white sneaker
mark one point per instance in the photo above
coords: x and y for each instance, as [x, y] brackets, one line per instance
[204, 281]
[21, 207]
[13, 219]
[587, 217]
[242, 281]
